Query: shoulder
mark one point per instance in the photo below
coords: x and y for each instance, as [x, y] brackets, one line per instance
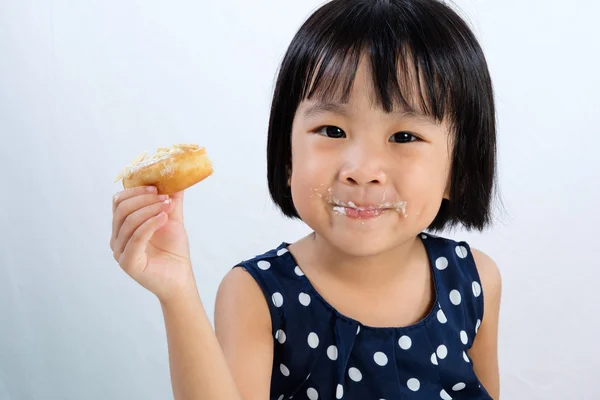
[245, 282]
[240, 290]
[253, 288]
[489, 273]
[483, 266]
[238, 284]
[478, 274]
[240, 296]
[491, 284]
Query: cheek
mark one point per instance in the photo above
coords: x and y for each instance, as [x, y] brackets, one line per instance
[308, 179]
[309, 185]
[309, 197]
[311, 165]
[421, 184]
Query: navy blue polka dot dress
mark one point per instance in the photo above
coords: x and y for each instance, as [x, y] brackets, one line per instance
[321, 354]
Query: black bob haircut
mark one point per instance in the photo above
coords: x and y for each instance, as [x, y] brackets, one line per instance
[425, 39]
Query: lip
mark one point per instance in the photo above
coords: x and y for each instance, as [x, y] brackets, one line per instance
[352, 210]
[365, 212]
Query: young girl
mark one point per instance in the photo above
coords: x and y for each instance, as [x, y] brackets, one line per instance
[382, 127]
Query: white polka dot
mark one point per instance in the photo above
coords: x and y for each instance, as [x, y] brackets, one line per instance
[465, 357]
[313, 340]
[355, 374]
[442, 351]
[281, 252]
[434, 360]
[312, 394]
[339, 392]
[358, 330]
[280, 397]
[264, 265]
[380, 358]
[277, 299]
[464, 338]
[455, 297]
[284, 370]
[405, 342]
[304, 299]
[298, 271]
[423, 236]
[445, 395]
[476, 289]
[461, 251]
[332, 352]
[413, 384]
[477, 325]
[459, 386]
[441, 263]
[280, 336]
[441, 317]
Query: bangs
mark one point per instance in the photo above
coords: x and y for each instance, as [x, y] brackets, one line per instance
[400, 84]
[415, 62]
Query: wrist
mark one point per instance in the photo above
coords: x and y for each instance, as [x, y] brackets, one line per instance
[186, 294]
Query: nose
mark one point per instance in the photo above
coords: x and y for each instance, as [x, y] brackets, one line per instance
[363, 167]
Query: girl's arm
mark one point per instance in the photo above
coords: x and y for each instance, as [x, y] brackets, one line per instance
[243, 327]
[199, 367]
[484, 352]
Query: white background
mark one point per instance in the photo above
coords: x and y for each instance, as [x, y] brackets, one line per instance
[85, 86]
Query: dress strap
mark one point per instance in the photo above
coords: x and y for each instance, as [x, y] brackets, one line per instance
[458, 285]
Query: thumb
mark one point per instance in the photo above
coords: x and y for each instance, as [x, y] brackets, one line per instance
[175, 212]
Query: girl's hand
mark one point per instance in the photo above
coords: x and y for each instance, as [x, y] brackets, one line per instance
[149, 240]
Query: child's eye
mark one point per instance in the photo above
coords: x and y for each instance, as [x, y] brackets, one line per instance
[331, 131]
[403, 137]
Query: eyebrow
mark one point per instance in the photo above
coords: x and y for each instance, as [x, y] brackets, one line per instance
[337, 108]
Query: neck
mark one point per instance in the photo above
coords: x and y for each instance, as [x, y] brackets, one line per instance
[369, 272]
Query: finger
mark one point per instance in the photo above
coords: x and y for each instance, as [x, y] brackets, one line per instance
[175, 211]
[134, 220]
[130, 205]
[128, 193]
[131, 222]
[134, 254]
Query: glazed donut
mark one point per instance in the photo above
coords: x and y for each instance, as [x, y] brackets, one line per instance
[170, 169]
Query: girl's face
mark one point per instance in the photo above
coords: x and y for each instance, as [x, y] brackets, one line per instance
[364, 180]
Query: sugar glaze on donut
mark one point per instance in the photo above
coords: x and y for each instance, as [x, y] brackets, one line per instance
[170, 169]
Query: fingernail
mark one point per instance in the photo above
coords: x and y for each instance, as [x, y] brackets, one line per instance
[162, 197]
[151, 189]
